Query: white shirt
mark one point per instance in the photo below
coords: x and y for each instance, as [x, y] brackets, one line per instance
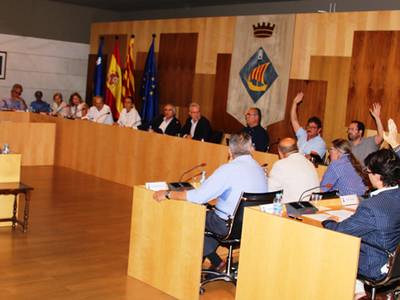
[103, 116]
[164, 124]
[75, 111]
[193, 127]
[60, 110]
[129, 119]
[294, 174]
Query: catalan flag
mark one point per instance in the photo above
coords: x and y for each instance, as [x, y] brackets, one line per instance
[114, 82]
[128, 83]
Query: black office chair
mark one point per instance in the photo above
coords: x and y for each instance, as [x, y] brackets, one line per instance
[392, 276]
[232, 239]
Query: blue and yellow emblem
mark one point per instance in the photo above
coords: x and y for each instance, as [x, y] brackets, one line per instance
[258, 74]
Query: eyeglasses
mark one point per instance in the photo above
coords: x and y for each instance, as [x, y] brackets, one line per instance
[249, 114]
[17, 93]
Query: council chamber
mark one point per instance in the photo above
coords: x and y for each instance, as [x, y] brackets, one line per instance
[238, 156]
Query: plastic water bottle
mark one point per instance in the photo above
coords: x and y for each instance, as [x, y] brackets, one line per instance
[203, 177]
[277, 205]
[6, 149]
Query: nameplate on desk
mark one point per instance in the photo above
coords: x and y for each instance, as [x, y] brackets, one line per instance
[349, 200]
[156, 186]
[267, 208]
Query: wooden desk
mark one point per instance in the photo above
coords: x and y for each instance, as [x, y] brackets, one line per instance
[16, 189]
[166, 244]
[281, 258]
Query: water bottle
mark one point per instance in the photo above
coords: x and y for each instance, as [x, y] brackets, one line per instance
[203, 177]
[277, 205]
[6, 149]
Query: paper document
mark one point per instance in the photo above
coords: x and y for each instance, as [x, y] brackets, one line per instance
[317, 217]
[323, 208]
[341, 214]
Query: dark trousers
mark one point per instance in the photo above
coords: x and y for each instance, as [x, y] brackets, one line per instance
[218, 226]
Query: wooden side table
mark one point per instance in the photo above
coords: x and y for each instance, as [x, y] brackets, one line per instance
[17, 188]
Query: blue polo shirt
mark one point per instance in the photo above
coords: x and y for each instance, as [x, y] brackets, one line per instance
[228, 182]
[315, 144]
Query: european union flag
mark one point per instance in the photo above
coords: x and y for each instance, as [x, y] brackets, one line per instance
[148, 90]
[98, 77]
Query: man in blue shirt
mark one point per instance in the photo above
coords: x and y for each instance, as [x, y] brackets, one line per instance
[309, 140]
[39, 105]
[15, 102]
[241, 174]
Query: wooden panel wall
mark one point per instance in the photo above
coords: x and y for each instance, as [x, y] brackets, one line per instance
[35, 141]
[176, 67]
[336, 71]
[332, 35]
[221, 119]
[375, 74]
[215, 36]
[313, 105]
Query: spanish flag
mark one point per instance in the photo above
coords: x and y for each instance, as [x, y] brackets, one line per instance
[114, 82]
[128, 83]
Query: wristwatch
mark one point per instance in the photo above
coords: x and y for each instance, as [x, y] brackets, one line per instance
[168, 194]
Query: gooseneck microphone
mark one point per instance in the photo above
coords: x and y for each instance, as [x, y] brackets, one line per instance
[302, 196]
[100, 116]
[191, 169]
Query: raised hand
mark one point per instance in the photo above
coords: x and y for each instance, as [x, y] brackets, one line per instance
[298, 98]
[391, 137]
[375, 110]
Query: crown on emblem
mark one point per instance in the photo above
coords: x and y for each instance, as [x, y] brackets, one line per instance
[262, 30]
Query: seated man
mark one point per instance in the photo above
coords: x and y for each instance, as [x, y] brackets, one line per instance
[226, 184]
[99, 112]
[40, 106]
[167, 123]
[361, 146]
[15, 102]
[196, 126]
[309, 141]
[258, 134]
[377, 219]
[129, 117]
[293, 172]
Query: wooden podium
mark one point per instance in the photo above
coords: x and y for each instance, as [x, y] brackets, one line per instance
[166, 244]
[285, 259]
[10, 171]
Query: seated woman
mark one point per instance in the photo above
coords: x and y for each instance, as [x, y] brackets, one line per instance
[344, 173]
[377, 219]
[59, 107]
[76, 105]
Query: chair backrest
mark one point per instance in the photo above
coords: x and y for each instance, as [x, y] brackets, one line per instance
[246, 200]
[394, 265]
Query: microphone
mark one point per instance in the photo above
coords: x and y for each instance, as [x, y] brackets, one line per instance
[100, 116]
[195, 175]
[302, 196]
[191, 169]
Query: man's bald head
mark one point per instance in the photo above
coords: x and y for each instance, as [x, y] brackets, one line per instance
[287, 146]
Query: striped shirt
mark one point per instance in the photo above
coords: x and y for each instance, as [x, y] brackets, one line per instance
[343, 177]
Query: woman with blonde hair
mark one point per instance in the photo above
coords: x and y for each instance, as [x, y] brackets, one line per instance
[344, 173]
